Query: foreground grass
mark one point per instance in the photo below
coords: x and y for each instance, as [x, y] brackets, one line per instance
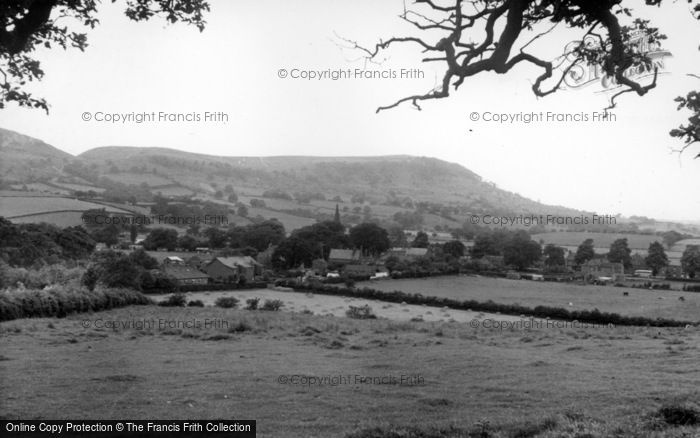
[125, 363]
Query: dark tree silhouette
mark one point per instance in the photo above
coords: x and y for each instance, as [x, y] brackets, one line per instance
[26, 25]
[471, 37]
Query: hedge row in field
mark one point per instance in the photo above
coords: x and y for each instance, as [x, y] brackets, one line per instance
[62, 301]
[210, 287]
[589, 316]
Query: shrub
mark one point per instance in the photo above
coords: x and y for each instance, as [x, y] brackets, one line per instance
[360, 312]
[195, 303]
[272, 305]
[226, 302]
[174, 300]
[241, 327]
[59, 301]
[679, 415]
[252, 303]
[691, 288]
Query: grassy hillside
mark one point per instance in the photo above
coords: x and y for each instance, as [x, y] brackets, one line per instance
[25, 158]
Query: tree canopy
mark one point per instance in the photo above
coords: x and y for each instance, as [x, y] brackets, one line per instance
[26, 25]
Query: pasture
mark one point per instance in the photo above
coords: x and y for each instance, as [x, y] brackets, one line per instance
[546, 382]
[639, 302]
[13, 206]
[600, 240]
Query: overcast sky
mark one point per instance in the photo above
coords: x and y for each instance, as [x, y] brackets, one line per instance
[623, 166]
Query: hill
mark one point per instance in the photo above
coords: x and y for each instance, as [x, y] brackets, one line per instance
[27, 159]
[372, 179]
[416, 192]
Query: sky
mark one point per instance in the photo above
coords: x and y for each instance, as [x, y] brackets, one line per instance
[625, 164]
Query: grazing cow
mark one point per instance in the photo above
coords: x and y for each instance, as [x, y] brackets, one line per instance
[681, 298]
[625, 294]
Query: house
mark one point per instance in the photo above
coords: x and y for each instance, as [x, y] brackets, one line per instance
[173, 260]
[343, 256]
[233, 269]
[407, 254]
[184, 275]
[360, 270]
[602, 270]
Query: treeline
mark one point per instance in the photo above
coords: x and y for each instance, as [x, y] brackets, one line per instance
[24, 245]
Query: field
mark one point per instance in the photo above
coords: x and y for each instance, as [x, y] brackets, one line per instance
[553, 383]
[13, 206]
[640, 302]
[600, 240]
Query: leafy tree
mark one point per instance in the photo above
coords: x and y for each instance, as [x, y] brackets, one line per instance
[554, 255]
[26, 25]
[232, 198]
[455, 248]
[107, 234]
[656, 258]
[258, 236]
[521, 251]
[620, 253]
[75, 242]
[371, 238]
[161, 238]
[421, 240]
[690, 260]
[113, 269]
[584, 252]
[397, 237]
[187, 242]
[476, 37]
[142, 259]
[242, 211]
[324, 236]
[294, 252]
[216, 237]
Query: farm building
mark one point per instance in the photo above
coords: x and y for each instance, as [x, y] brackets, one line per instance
[233, 269]
[343, 256]
[185, 275]
[362, 270]
[602, 270]
[407, 254]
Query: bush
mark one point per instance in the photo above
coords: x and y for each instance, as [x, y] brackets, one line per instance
[272, 305]
[360, 312]
[252, 303]
[174, 300]
[59, 301]
[227, 302]
[195, 303]
[679, 415]
[691, 288]
[241, 327]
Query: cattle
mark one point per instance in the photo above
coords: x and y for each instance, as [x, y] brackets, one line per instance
[625, 294]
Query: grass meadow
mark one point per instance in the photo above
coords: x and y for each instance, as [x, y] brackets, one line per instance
[466, 381]
[638, 302]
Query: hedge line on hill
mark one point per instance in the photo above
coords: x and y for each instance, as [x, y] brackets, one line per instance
[63, 301]
[589, 316]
